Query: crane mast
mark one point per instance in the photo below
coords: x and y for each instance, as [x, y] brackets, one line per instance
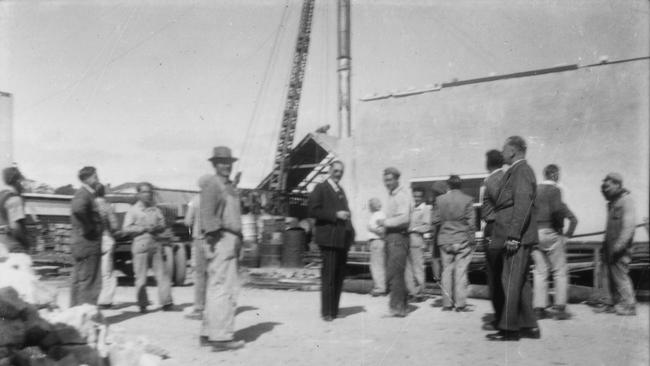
[278, 181]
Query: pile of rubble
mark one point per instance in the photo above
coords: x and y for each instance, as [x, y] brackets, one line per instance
[34, 331]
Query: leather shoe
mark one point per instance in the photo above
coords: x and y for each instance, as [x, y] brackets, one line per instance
[204, 341]
[105, 306]
[143, 309]
[463, 309]
[503, 336]
[227, 346]
[328, 318]
[169, 307]
[447, 308]
[540, 313]
[533, 333]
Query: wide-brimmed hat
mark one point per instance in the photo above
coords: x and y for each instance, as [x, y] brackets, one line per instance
[222, 153]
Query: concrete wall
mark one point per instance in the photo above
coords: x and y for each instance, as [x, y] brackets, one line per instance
[6, 129]
[589, 121]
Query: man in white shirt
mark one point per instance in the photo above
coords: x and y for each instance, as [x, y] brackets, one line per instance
[377, 246]
[419, 226]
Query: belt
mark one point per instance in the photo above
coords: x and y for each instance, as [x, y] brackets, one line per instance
[396, 231]
[233, 232]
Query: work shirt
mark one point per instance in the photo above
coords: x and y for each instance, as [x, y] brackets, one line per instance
[373, 225]
[140, 218]
[220, 206]
[12, 211]
[420, 219]
[398, 210]
[620, 227]
[551, 211]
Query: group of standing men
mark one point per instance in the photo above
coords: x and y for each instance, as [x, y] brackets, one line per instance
[524, 224]
[522, 219]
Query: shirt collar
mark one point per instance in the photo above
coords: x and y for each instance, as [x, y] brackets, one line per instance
[88, 188]
[496, 171]
[549, 182]
[396, 190]
[515, 163]
[334, 185]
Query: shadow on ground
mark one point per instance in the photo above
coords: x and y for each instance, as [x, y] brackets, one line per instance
[242, 309]
[351, 310]
[252, 333]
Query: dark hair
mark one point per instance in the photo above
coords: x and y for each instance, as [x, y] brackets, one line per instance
[337, 162]
[494, 159]
[100, 190]
[138, 188]
[454, 182]
[86, 172]
[551, 170]
[517, 142]
[11, 175]
[418, 189]
[392, 171]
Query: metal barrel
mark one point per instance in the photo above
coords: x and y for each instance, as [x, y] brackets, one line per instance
[294, 244]
[271, 251]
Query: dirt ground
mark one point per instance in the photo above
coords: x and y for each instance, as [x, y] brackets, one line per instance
[284, 328]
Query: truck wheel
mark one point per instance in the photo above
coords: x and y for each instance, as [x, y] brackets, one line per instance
[180, 265]
[168, 261]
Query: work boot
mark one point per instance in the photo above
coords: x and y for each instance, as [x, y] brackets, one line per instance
[560, 312]
[625, 310]
[540, 313]
[604, 308]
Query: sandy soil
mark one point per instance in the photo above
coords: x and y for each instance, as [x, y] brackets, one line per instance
[284, 328]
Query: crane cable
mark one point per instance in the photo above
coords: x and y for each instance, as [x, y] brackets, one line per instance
[265, 80]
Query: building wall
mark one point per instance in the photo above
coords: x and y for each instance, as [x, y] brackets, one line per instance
[590, 121]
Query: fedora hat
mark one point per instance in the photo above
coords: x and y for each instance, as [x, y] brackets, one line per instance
[222, 153]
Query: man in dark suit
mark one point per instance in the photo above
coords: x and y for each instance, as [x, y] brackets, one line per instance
[86, 246]
[493, 253]
[334, 234]
[515, 228]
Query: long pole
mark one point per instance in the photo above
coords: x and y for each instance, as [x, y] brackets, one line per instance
[344, 127]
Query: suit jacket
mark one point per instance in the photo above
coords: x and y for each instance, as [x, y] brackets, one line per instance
[491, 186]
[330, 231]
[515, 206]
[87, 225]
[454, 213]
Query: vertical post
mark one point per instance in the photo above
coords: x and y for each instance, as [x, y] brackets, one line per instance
[344, 127]
[6, 130]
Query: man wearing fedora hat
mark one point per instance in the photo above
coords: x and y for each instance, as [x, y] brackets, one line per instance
[221, 224]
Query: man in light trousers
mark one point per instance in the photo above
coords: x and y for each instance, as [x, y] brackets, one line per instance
[199, 263]
[550, 253]
[221, 224]
[419, 226]
[377, 243]
[145, 223]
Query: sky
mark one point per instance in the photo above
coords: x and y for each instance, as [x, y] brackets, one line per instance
[144, 89]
